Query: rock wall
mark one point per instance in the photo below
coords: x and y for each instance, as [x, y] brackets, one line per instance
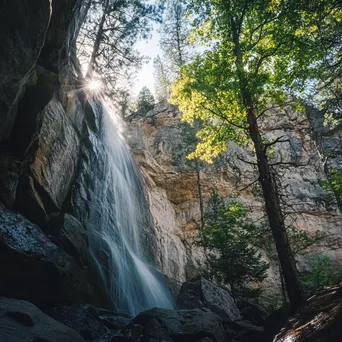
[50, 133]
[160, 144]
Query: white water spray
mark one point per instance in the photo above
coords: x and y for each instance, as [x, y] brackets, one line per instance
[117, 220]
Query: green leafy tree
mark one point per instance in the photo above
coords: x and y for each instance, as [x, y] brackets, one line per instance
[145, 101]
[228, 238]
[256, 52]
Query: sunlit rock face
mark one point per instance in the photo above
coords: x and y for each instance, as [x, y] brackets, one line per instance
[159, 142]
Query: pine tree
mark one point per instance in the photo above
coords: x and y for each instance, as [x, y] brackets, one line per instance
[145, 101]
[228, 238]
[174, 36]
[162, 81]
[107, 38]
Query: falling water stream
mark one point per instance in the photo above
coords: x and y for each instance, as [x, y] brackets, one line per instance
[117, 221]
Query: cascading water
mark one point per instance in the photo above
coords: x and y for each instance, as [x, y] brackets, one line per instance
[117, 220]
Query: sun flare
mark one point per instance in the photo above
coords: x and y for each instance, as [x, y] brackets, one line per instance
[94, 85]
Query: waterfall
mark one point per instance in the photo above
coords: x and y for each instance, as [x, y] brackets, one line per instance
[118, 219]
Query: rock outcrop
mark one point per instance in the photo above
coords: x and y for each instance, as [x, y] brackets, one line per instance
[160, 144]
[21, 321]
[182, 325]
[21, 40]
[33, 267]
[199, 292]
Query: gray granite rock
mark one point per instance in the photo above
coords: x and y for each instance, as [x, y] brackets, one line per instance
[34, 268]
[181, 325]
[199, 292]
[21, 321]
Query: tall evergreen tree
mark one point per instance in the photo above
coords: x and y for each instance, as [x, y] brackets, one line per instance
[228, 238]
[145, 101]
[162, 81]
[174, 35]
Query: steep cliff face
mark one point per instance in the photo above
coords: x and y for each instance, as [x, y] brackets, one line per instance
[49, 135]
[160, 144]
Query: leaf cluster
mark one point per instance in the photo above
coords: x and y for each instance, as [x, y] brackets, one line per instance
[279, 58]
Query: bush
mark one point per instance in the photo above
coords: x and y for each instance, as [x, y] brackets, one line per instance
[323, 273]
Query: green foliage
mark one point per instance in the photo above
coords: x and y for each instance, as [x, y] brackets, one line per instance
[276, 41]
[145, 101]
[187, 145]
[320, 275]
[333, 184]
[174, 36]
[336, 181]
[161, 79]
[228, 237]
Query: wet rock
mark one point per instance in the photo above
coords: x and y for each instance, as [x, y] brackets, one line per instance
[79, 319]
[23, 27]
[34, 268]
[199, 292]
[181, 325]
[21, 321]
[90, 322]
[318, 320]
[71, 236]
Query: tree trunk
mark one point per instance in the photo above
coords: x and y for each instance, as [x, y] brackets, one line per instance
[272, 202]
[283, 289]
[199, 190]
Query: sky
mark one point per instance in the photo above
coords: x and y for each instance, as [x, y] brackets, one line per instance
[151, 49]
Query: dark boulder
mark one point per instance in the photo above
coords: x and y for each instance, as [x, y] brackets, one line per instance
[21, 321]
[252, 312]
[199, 292]
[181, 325]
[35, 269]
[90, 322]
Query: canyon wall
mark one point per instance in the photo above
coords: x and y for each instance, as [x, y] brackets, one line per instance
[160, 144]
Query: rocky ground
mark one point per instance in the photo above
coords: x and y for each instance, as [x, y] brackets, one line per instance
[205, 313]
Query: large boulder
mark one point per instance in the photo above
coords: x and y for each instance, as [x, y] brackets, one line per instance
[181, 325]
[33, 268]
[90, 322]
[21, 321]
[318, 320]
[199, 292]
